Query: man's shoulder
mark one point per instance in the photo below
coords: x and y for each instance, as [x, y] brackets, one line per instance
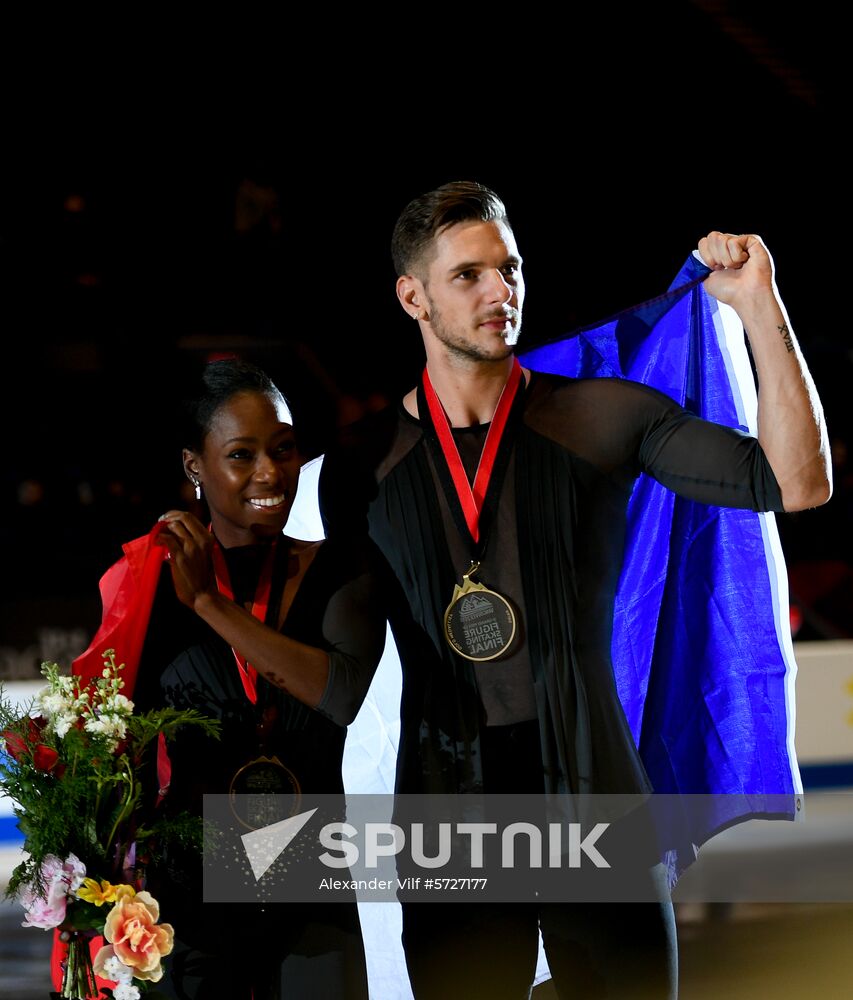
[602, 419]
[547, 389]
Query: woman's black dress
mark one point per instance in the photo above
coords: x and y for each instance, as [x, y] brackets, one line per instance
[271, 950]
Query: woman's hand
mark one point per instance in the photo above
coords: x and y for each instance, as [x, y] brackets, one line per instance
[190, 547]
[299, 669]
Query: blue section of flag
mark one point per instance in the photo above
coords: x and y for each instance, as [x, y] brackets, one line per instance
[9, 832]
[699, 647]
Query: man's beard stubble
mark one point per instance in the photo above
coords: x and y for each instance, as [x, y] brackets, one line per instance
[462, 348]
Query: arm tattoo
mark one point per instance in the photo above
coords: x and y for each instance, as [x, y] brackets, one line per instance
[786, 336]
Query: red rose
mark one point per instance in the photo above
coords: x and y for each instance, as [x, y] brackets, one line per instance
[19, 744]
[16, 745]
[45, 757]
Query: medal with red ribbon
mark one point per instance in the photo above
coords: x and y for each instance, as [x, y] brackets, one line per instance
[259, 609]
[263, 790]
[479, 623]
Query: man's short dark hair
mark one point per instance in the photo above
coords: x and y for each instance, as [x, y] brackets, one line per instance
[423, 218]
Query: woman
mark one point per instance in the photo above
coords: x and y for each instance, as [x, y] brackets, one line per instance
[278, 639]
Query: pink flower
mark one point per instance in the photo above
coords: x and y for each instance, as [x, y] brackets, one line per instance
[60, 879]
[75, 871]
[137, 939]
[49, 910]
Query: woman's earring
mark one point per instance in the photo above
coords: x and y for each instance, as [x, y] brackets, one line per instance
[197, 485]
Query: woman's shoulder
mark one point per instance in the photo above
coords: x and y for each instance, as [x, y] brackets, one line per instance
[305, 547]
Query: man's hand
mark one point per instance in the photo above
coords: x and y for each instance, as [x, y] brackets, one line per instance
[742, 267]
[791, 427]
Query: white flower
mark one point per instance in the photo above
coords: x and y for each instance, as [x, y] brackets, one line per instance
[118, 704]
[62, 723]
[42, 693]
[108, 965]
[53, 703]
[126, 991]
[116, 970]
[112, 727]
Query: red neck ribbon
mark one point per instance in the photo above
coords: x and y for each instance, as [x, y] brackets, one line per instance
[471, 498]
[260, 606]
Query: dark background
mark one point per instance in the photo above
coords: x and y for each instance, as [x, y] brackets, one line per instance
[170, 205]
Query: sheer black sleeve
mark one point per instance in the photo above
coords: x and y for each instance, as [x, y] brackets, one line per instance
[622, 428]
[353, 627]
[710, 463]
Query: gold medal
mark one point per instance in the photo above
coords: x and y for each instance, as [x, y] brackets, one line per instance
[264, 791]
[479, 624]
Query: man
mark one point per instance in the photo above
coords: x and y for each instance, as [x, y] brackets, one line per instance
[505, 491]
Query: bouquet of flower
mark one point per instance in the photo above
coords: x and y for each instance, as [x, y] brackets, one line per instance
[72, 764]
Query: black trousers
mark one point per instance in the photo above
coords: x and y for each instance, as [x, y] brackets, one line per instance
[468, 951]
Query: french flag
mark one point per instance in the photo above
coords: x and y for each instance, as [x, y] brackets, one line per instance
[702, 647]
